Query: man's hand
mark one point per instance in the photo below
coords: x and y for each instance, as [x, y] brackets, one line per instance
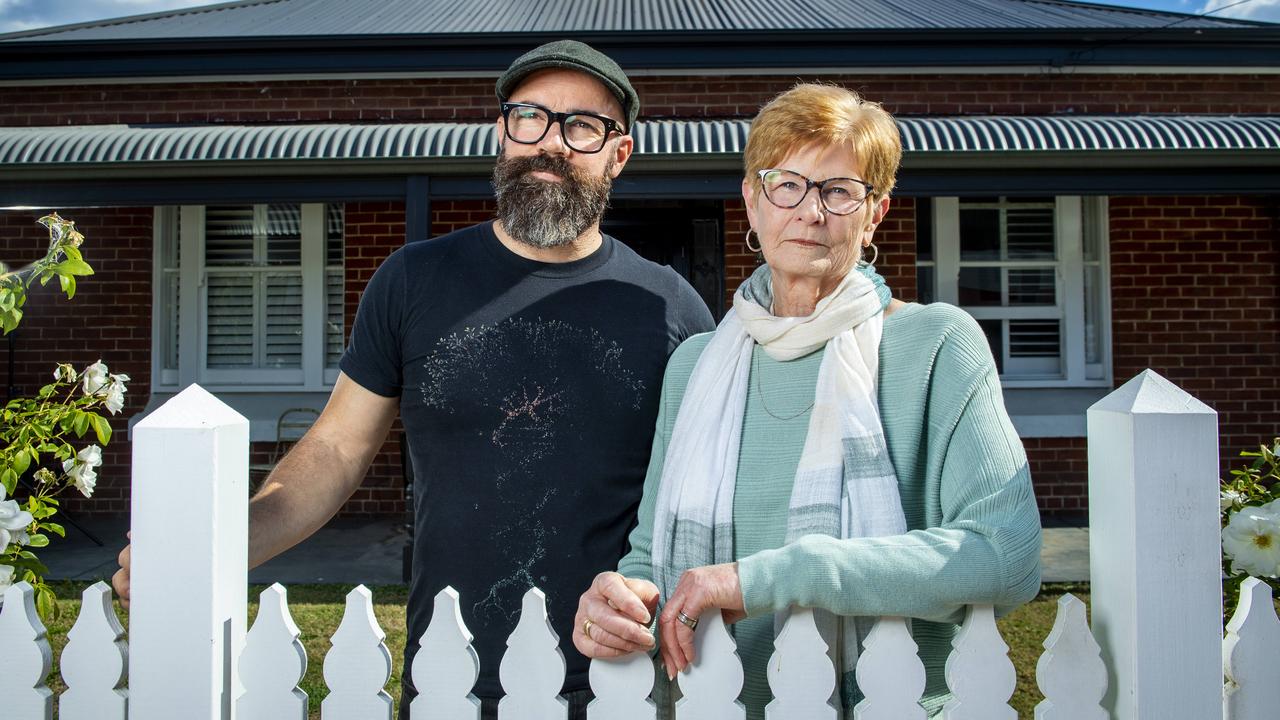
[700, 589]
[120, 581]
[614, 615]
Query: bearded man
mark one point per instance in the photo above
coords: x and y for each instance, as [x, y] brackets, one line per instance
[525, 357]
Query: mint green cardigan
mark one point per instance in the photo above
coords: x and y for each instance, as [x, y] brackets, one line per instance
[973, 527]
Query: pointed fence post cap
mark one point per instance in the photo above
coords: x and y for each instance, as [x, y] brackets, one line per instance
[194, 408]
[1149, 393]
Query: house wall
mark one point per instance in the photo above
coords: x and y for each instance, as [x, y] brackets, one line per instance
[1179, 265]
[740, 96]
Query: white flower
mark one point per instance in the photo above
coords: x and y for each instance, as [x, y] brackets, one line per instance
[1227, 498]
[115, 393]
[13, 522]
[64, 373]
[95, 377]
[81, 469]
[1252, 540]
[6, 577]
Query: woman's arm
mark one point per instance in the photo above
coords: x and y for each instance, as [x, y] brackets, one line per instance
[985, 546]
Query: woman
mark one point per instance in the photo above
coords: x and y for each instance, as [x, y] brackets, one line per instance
[826, 446]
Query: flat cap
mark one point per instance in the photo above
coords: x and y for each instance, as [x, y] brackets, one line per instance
[573, 55]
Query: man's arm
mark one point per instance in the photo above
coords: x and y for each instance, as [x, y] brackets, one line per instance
[314, 479]
[320, 472]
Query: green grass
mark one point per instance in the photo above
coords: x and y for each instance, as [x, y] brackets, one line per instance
[317, 610]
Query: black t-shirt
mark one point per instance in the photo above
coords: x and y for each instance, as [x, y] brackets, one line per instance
[528, 392]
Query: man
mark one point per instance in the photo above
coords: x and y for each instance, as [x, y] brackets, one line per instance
[525, 357]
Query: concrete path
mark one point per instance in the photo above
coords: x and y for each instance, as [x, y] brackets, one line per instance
[372, 552]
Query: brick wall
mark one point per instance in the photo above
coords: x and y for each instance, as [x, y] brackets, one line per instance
[471, 99]
[109, 319]
[1194, 296]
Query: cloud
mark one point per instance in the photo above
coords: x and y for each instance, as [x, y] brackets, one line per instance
[1264, 10]
[16, 15]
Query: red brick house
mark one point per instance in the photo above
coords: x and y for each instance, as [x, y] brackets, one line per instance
[1097, 185]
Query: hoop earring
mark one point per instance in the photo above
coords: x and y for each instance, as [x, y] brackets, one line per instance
[747, 239]
[875, 255]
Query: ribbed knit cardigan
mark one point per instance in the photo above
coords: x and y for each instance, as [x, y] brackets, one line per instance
[973, 527]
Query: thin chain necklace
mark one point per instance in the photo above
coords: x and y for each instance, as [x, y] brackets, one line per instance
[755, 357]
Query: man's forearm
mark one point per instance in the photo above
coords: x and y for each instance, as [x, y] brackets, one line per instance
[299, 496]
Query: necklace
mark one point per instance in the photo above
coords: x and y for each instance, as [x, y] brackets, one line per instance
[755, 370]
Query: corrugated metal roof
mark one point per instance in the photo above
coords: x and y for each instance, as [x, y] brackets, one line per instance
[303, 18]
[122, 144]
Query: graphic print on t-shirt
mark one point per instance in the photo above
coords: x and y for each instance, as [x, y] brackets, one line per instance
[522, 385]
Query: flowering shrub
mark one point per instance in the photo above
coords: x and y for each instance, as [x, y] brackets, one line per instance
[1250, 503]
[37, 432]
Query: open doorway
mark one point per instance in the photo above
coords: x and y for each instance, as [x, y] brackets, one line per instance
[685, 234]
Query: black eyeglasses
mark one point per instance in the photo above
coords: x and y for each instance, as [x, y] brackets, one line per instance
[839, 195]
[527, 124]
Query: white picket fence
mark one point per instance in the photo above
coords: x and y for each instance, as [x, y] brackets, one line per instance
[1156, 590]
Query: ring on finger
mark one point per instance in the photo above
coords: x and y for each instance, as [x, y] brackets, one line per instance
[586, 628]
[691, 623]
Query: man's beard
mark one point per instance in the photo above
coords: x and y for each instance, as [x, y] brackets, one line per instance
[546, 213]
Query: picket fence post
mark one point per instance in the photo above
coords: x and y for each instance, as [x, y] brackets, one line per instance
[712, 682]
[25, 657]
[1154, 550]
[445, 667]
[272, 663]
[94, 661]
[189, 517]
[1249, 655]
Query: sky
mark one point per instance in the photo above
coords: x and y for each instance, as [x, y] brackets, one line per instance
[18, 15]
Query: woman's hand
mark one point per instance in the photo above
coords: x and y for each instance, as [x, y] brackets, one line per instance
[699, 589]
[614, 615]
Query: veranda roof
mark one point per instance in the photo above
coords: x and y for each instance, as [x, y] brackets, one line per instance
[114, 145]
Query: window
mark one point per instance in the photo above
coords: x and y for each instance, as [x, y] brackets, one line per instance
[249, 296]
[1032, 272]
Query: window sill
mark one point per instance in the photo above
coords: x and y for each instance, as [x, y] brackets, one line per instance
[1051, 412]
[262, 407]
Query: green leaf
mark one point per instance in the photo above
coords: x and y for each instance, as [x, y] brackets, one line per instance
[9, 479]
[82, 420]
[45, 605]
[56, 529]
[38, 541]
[21, 462]
[68, 283]
[101, 426]
[27, 554]
[74, 266]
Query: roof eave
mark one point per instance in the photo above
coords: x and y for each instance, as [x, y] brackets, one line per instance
[491, 52]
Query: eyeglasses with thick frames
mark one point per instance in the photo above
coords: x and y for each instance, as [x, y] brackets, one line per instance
[838, 195]
[527, 124]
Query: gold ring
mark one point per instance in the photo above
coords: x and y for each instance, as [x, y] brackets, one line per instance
[691, 623]
[586, 628]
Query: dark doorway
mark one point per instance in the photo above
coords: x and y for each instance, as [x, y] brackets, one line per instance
[685, 234]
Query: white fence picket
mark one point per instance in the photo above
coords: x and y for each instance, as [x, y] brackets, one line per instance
[357, 667]
[532, 670]
[25, 658]
[94, 661]
[712, 682]
[622, 687]
[890, 674]
[1071, 673]
[979, 673]
[1249, 656]
[445, 667]
[273, 662]
[800, 672]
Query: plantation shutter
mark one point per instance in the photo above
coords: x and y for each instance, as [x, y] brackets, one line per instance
[254, 285]
[334, 286]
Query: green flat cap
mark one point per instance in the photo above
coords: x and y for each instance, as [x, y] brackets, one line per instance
[573, 55]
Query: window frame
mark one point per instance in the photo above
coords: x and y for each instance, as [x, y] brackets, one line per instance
[1078, 222]
[186, 225]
